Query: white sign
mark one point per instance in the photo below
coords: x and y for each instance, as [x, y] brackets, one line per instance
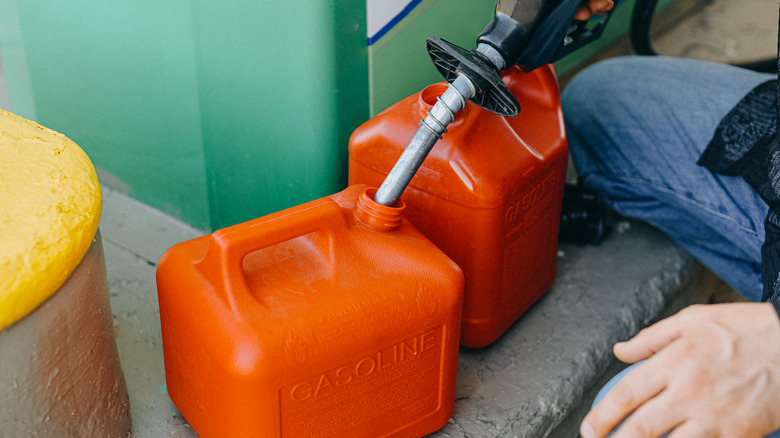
[383, 15]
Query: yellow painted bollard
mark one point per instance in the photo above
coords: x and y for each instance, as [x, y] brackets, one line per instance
[59, 368]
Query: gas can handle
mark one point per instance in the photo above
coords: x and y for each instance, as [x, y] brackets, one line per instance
[228, 246]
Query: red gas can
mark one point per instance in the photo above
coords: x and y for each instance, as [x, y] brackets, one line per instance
[489, 194]
[333, 318]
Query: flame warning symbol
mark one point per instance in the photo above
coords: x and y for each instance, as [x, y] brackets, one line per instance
[295, 350]
[426, 301]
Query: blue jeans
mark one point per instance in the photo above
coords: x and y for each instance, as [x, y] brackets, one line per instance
[636, 128]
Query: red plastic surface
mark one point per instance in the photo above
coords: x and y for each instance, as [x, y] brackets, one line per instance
[311, 322]
[489, 194]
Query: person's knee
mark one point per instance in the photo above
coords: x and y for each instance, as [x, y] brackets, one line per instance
[601, 90]
[618, 108]
[589, 117]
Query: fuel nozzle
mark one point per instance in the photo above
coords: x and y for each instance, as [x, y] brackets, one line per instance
[518, 31]
[432, 127]
[473, 75]
[530, 33]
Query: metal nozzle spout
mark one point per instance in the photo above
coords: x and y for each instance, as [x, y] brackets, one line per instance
[432, 127]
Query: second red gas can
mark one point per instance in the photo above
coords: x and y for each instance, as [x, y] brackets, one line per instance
[489, 194]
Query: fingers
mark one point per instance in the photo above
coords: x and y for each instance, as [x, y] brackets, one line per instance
[634, 390]
[652, 420]
[583, 13]
[710, 371]
[601, 6]
[652, 339]
[593, 7]
[690, 429]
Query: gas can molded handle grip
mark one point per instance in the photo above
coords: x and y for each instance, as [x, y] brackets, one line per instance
[228, 247]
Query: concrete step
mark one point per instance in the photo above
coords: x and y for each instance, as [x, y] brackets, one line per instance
[548, 366]
[524, 385]
[702, 286]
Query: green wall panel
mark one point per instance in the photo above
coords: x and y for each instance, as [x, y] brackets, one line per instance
[282, 85]
[118, 78]
[214, 112]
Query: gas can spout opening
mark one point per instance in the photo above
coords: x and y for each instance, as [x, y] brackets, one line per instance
[377, 216]
[431, 95]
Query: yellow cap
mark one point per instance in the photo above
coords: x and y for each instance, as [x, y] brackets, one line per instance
[50, 205]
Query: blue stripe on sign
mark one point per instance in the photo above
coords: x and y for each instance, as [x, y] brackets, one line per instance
[401, 15]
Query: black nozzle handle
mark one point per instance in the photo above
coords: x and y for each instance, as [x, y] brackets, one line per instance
[578, 35]
[533, 34]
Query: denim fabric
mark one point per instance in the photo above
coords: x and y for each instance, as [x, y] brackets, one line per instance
[611, 384]
[636, 128]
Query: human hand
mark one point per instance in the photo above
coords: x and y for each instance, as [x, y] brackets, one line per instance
[709, 371]
[593, 7]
